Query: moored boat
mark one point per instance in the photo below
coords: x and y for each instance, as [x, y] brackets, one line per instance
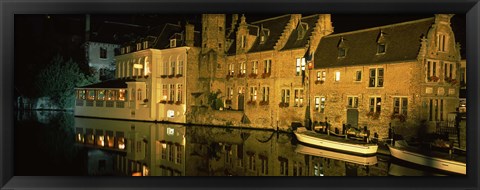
[439, 160]
[335, 143]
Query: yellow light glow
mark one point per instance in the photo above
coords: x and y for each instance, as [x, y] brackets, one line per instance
[138, 66]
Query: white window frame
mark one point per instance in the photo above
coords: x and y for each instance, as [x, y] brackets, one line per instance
[353, 103]
[401, 109]
[255, 67]
[375, 105]
[441, 42]
[376, 77]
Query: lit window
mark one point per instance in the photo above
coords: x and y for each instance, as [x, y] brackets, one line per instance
[322, 105]
[267, 66]
[300, 66]
[255, 67]
[170, 113]
[173, 43]
[337, 76]
[253, 94]
[375, 104]
[441, 42]
[298, 98]
[317, 104]
[243, 68]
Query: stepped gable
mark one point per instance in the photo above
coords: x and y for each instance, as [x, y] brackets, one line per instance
[276, 26]
[114, 83]
[402, 43]
[293, 42]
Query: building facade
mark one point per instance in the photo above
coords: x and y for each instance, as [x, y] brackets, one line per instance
[404, 75]
[150, 79]
[285, 71]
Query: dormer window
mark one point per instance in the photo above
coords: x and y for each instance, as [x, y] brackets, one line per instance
[139, 46]
[145, 45]
[173, 43]
[381, 48]
[302, 30]
[381, 43]
[342, 50]
[127, 49]
[264, 34]
[122, 50]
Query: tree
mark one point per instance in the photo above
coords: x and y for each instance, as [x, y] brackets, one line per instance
[59, 79]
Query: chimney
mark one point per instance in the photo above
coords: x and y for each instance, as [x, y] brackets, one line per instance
[189, 34]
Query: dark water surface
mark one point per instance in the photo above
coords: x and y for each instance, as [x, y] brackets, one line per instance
[50, 143]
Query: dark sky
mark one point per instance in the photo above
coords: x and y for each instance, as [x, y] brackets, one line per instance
[43, 36]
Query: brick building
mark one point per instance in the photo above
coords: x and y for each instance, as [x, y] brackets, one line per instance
[403, 74]
[257, 69]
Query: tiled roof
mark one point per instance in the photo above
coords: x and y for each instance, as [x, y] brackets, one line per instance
[293, 41]
[114, 83]
[402, 43]
[276, 26]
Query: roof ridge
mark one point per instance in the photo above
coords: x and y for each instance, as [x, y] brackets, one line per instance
[380, 27]
[311, 16]
[268, 19]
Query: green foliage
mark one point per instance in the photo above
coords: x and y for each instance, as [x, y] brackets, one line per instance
[58, 80]
[215, 102]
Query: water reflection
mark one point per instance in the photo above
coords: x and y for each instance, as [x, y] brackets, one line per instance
[90, 146]
[148, 149]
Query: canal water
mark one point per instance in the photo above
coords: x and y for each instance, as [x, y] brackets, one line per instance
[57, 143]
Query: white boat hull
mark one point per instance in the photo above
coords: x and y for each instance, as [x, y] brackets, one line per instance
[361, 160]
[439, 163]
[362, 149]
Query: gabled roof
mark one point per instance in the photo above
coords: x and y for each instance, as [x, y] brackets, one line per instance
[402, 43]
[293, 42]
[114, 83]
[276, 26]
[164, 35]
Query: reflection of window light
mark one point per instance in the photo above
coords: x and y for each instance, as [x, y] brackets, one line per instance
[80, 138]
[170, 113]
[170, 131]
[121, 95]
[145, 170]
[121, 143]
[101, 141]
